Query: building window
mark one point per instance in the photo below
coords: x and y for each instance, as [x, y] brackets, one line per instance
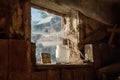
[45, 28]
[56, 41]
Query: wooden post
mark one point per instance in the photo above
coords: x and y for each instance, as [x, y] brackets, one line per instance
[112, 35]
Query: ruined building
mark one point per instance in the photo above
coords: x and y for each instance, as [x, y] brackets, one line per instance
[90, 31]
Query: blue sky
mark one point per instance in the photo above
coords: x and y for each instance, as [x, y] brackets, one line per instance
[35, 16]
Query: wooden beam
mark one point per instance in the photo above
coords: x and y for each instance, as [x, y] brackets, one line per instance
[116, 30]
[112, 35]
[46, 9]
[51, 6]
[96, 36]
[89, 27]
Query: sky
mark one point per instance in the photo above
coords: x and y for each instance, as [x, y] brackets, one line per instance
[35, 16]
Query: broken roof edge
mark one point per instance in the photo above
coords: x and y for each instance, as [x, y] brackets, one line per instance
[46, 9]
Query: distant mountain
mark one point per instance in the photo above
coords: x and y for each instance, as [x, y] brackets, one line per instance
[49, 22]
[44, 31]
[48, 25]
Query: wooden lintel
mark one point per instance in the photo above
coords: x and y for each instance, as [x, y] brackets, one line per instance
[48, 10]
[96, 36]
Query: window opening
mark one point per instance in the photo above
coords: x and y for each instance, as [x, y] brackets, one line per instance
[45, 28]
[56, 44]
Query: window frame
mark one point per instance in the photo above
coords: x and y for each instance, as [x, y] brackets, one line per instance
[33, 45]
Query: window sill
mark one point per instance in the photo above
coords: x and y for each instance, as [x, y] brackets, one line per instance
[58, 66]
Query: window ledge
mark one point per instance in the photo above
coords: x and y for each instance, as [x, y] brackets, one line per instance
[58, 66]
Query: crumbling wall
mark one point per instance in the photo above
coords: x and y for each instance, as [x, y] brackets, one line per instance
[72, 32]
[77, 28]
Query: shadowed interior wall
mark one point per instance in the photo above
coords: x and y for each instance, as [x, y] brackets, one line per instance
[15, 40]
[15, 62]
